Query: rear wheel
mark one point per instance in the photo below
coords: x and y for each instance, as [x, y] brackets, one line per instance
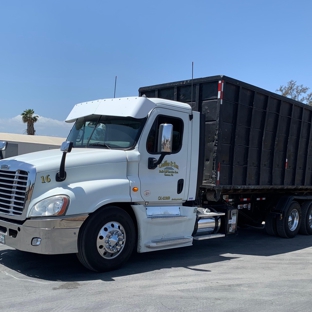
[306, 223]
[289, 225]
[107, 240]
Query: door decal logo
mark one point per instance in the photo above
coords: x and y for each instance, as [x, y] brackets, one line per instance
[147, 193]
[168, 168]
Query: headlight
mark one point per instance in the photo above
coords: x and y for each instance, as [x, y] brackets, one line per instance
[51, 206]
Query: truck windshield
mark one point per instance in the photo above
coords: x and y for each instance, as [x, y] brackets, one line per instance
[111, 132]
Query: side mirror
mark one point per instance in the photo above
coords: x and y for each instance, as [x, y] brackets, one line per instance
[165, 138]
[3, 146]
[164, 147]
[66, 146]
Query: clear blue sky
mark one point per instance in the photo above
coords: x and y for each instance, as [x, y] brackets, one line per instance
[56, 53]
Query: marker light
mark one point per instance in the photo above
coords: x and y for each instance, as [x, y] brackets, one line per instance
[36, 241]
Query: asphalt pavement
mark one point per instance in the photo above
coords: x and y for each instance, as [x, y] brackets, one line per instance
[250, 271]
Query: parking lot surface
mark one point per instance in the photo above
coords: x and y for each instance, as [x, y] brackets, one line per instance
[247, 272]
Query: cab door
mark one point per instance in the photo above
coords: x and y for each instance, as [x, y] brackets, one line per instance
[168, 182]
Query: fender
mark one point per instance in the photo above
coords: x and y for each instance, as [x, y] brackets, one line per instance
[86, 197]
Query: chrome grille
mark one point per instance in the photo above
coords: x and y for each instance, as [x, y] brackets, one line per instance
[13, 191]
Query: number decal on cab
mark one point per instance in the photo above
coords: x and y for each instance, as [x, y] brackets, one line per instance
[45, 179]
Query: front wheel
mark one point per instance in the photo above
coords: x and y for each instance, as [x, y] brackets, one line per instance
[107, 240]
[289, 225]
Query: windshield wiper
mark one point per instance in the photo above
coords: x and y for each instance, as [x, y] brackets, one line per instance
[101, 144]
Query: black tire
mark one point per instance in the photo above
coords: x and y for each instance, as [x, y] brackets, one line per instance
[107, 240]
[289, 225]
[270, 224]
[306, 223]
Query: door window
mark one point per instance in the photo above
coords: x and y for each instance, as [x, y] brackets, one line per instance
[152, 139]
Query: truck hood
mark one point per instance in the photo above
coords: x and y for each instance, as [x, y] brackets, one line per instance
[51, 159]
[94, 177]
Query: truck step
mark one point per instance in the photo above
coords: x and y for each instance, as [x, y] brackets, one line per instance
[210, 214]
[166, 217]
[209, 236]
[169, 242]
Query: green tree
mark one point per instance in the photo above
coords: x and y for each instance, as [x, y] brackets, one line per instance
[29, 118]
[296, 92]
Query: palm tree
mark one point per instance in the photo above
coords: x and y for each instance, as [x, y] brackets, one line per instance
[29, 118]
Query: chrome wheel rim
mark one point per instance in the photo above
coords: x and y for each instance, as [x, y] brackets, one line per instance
[310, 219]
[293, 220]
[111, 240]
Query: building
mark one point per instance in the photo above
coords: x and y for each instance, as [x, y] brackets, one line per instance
[21, 143]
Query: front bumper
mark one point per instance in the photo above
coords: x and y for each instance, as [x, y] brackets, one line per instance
[58, 235]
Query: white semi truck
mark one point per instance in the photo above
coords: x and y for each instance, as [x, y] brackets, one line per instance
[148, 174]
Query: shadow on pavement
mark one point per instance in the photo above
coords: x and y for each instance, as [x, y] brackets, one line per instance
[66, 268]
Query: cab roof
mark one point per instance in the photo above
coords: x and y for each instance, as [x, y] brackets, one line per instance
[136, 107]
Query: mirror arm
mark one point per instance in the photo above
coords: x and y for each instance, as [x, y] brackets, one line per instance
[61, 175]
[153, 163]
[65, 148]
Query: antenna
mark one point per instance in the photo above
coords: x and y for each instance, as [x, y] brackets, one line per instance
[192, 82]
[115, 86]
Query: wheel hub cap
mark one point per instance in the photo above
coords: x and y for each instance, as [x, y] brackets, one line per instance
[310, 220]
[111, 240]
[293, 220]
